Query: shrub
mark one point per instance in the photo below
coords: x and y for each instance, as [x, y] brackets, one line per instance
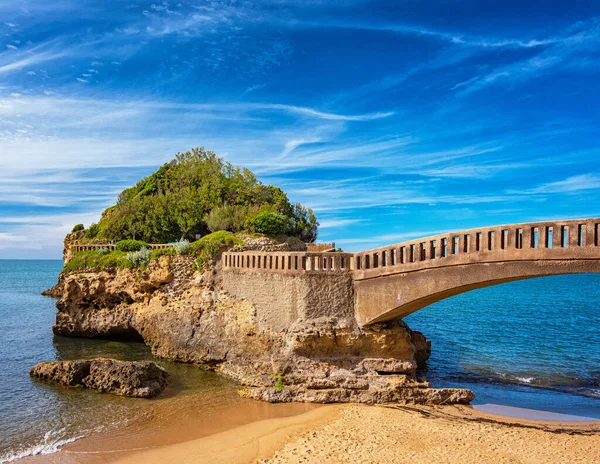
[139, 258]
[102, 251]
[92, 231]
[161, 252]
[131, 245]
[269, 223]
[96, 260]
[220, 219]
[182, 248]
[77, 228]
[207, 248]
[232, 218]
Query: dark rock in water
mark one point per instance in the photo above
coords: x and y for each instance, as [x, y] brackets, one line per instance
[69, 373]
[143, 379]
[422, 346]
[54, 292]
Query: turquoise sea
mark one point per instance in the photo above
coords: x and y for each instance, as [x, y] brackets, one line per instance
[532, 344]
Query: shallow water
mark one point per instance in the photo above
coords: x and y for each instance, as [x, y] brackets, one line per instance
[36, 416]
[532, 344]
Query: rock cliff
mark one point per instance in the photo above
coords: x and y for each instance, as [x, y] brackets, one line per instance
[187, 316]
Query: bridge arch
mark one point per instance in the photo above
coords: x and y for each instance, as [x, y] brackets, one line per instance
[413, 275]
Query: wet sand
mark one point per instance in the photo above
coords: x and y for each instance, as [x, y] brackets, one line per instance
[177, 420]
[366, 434]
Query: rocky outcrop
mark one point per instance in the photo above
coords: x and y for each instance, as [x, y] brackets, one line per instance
[422, 347]
[318, 355]
[142, 379]
[56, 290]
[71, 239]
[69, 373]
[410, 394]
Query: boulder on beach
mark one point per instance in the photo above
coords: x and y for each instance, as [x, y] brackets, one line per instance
[142, 379]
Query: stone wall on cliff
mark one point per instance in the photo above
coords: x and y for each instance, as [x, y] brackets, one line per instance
[283, 301]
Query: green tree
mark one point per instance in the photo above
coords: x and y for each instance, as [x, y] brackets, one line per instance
[196, 193]
[304, 224]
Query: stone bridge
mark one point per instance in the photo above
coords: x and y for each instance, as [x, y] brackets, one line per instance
[394, 281]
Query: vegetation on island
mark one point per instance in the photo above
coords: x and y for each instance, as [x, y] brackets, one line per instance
[135, 253]
[196, 194]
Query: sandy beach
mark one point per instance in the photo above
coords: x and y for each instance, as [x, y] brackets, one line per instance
[369, 434]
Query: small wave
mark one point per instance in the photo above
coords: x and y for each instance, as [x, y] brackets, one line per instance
[47, 447]
[589, 392]
[525, 379]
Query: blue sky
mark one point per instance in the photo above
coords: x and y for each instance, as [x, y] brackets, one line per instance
[391, 119]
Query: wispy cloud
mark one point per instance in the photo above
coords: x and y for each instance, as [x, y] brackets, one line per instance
[321, 114]
[567, 51]
[337, 223]
[457, 38]
[568, 185]
[17, 59]
[385, 239]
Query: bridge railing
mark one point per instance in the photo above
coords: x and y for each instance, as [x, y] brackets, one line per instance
[538, 236]
[287, 262]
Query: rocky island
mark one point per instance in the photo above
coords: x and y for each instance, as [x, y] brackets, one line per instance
[179, 301]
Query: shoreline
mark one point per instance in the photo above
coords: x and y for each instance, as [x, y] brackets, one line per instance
[340, 433]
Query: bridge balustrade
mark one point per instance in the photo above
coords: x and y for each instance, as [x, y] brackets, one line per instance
[533, 236]
[542, 236]
[287, 262]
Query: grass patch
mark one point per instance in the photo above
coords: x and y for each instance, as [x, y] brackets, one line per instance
[95, 260]
[278, 385]
[162, 252]
[207, 248]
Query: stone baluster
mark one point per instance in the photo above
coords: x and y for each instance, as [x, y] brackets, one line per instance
[574, 234]
[467, 243]
[439, 247]
[556, 235]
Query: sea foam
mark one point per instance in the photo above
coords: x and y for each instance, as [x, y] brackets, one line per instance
[50, 445]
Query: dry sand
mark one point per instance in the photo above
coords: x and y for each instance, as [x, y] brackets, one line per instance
[452, 435]
[376, 434]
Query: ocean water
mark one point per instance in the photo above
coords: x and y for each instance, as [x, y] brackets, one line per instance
[532, 344]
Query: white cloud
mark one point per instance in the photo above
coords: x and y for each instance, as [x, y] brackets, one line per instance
[568, 185]
[337, 223]
[565, 51]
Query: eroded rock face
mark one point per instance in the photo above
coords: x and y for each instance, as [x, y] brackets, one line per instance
[69, 373]
[187, 316]
[142, 379]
